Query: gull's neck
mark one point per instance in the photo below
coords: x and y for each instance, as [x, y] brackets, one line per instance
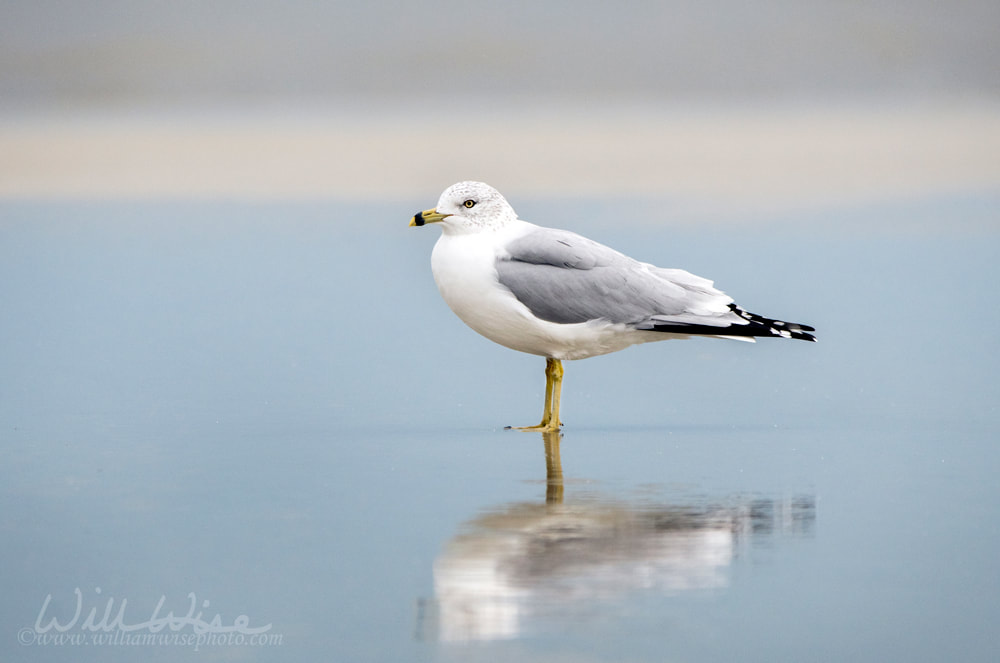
[474, 226]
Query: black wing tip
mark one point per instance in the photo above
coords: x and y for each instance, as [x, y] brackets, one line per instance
[756, 326]
[771, 327]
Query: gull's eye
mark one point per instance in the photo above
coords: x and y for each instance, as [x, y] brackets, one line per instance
[469, 203]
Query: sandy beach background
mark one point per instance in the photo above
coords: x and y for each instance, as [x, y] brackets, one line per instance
[761, 158]
[779, 107]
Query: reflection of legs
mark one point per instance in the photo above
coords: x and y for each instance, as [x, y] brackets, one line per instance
[553, 390]
[553, 468]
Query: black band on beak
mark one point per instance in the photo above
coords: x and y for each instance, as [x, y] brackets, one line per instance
[418, 220]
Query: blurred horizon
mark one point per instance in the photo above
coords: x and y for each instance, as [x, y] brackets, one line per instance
[774, 106]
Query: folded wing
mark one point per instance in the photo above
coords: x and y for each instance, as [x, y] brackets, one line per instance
[565, 278]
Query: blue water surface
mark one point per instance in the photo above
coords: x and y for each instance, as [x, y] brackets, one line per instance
[266, 410]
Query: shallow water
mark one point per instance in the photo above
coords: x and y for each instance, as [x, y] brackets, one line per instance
[266, 410]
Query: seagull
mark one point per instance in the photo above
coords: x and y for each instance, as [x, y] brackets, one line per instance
[561, 296]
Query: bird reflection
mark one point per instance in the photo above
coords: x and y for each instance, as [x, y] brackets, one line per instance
[525, 560]
[553, 469]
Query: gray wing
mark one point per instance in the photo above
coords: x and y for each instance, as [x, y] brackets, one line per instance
[565, 278]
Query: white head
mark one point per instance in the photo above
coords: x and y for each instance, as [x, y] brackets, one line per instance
[468, 207]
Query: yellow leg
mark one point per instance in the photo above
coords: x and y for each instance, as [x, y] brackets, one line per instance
[557, 376]
[547, 408]
[553, 390]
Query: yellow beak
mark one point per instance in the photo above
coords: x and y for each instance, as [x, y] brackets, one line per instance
[427, 216]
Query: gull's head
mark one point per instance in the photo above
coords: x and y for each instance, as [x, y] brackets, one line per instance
[468, 207]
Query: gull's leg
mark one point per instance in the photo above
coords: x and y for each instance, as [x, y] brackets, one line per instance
[553, 387]
[547, 409]
[556, 379]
